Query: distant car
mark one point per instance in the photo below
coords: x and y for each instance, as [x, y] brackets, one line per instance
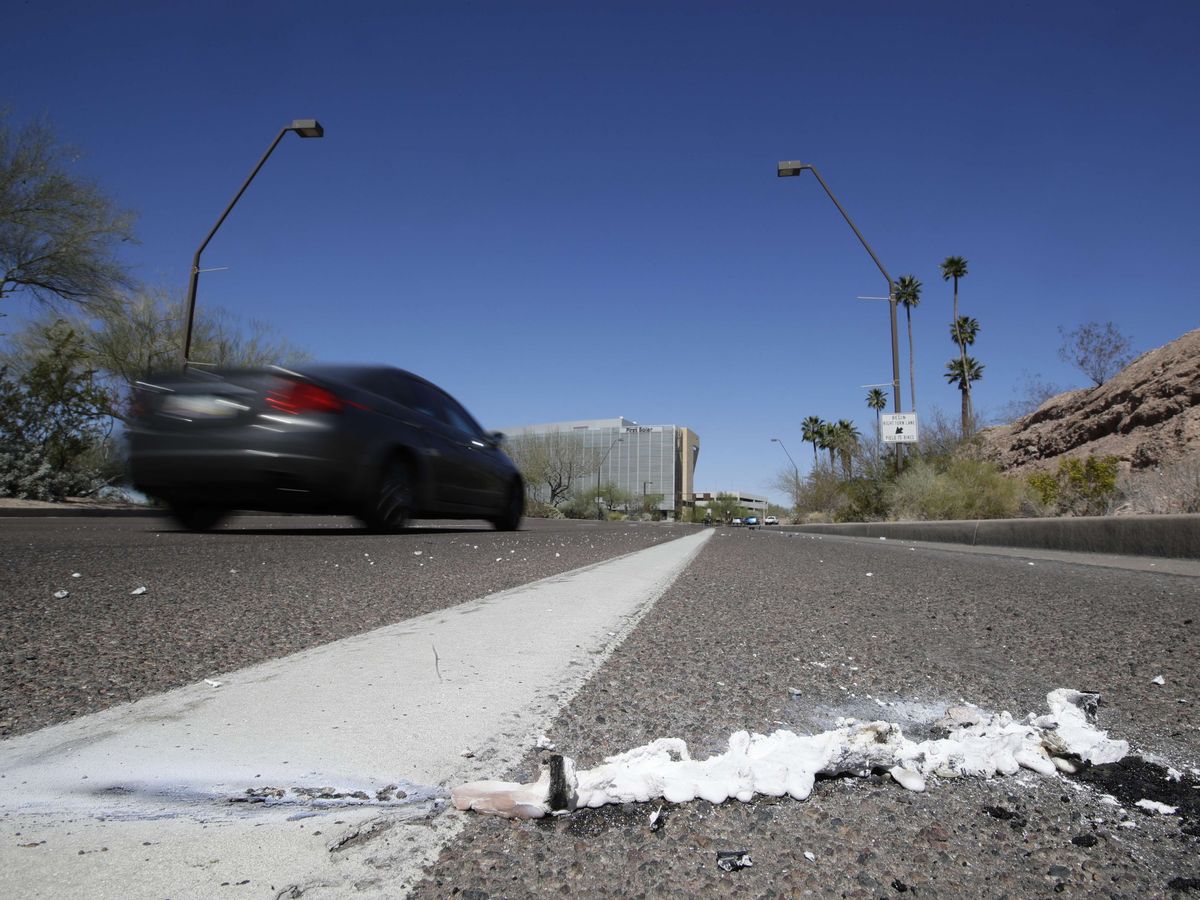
[751, 521]
[736, 521]
[770, 520]
[374, 442]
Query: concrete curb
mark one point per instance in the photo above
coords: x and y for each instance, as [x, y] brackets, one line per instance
[1176, 537]
[41, 512]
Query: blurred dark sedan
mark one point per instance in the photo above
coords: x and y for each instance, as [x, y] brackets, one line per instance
[369, 441]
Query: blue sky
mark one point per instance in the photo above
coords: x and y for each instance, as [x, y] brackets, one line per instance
[570, 210]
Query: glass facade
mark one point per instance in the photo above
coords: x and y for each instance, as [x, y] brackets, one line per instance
[639, 459]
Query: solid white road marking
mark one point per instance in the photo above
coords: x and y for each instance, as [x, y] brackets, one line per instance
[135, 801]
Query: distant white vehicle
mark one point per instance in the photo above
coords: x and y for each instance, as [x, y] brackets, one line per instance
[770, 520]
[736, 521]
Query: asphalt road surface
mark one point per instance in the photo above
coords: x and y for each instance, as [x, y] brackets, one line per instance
[762, 630]
[258, 588]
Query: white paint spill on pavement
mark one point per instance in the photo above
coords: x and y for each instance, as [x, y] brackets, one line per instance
[151, 781]
[976, 744]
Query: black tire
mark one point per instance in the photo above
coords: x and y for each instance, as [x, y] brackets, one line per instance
[514, 507]
[196, 516]
[390, 507]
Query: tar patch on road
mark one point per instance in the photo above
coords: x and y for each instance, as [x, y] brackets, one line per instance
[1133, 779]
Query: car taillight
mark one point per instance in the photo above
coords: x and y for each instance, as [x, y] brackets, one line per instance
[300, 397]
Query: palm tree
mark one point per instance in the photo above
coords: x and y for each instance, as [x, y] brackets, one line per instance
[908, 292]
[964, 331]
[827, 440]
[845, 440]
[877, 400]
[955, 267]
[962, 372]
[811, 432]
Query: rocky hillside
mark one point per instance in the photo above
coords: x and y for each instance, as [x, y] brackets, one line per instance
[1147, 415]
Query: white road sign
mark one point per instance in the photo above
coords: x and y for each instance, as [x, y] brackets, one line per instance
[899, 428]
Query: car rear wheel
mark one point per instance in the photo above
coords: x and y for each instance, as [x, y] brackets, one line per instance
[392, 504]
[197, 517]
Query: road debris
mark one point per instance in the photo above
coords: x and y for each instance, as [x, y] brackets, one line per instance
[1153, 806]
[732, 860]
[977, 743]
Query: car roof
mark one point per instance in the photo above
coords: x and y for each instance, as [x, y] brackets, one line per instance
[319, 370]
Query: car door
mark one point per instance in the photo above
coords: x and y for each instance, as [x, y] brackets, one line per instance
[482, 474]
[442, 446]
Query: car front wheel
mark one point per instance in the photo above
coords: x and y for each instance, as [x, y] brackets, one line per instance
[514, 507]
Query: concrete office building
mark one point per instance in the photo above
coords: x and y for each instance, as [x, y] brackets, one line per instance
[639, 459]
[755, 504]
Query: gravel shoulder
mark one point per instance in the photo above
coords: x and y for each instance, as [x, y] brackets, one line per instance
[850, 626]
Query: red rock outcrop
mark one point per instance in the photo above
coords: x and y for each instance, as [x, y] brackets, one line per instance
[1146, 415]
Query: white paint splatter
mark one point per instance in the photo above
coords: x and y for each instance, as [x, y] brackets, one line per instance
[1154, 806]
[977, 744]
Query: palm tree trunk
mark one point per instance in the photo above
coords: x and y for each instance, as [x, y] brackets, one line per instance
[912, 370]
[962, 355]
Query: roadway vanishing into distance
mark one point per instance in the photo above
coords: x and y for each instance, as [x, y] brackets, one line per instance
[631, 632]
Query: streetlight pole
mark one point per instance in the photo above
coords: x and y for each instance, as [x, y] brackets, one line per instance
[306, 128]
[789, 456]
[793, 168]
[599, 514]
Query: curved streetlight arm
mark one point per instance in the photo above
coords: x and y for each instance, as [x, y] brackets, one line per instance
[795, 468]
[793, 168]
[306, 128]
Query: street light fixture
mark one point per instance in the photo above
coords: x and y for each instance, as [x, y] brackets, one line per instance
[599, 514]
[793, 168]
[306, 128]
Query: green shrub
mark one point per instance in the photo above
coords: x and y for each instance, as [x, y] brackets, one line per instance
[866, 500]
[1044, 487]
[1080, 487]
[55, 423]
[967, 489]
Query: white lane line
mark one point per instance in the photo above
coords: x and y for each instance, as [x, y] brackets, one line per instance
[151, 781]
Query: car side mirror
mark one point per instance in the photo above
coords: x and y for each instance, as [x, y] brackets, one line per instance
[496, 438]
